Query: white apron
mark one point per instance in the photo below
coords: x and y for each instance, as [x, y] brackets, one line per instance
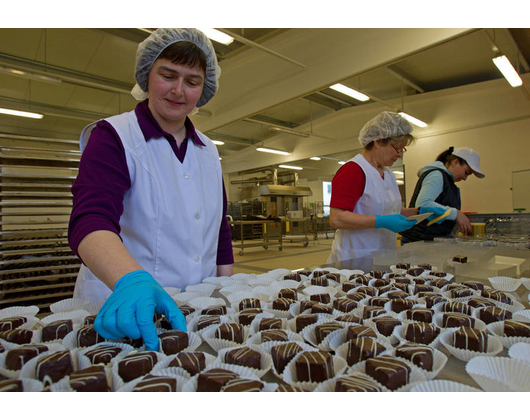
[172, 212]
[380, 196]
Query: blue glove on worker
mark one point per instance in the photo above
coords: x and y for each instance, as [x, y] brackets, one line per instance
[130, 309]
[437, 211]
[394, 222]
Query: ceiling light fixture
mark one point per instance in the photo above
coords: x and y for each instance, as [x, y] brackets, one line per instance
[21, 113]
[217, 35]
[316, 158]
[507, 70]
[29, 75]
[341, 162]
[399, 173]
[413, 120]
[298, 168]
[350, 92]
[400, 182]
[275, 151]
[289, 131]
[218, 142]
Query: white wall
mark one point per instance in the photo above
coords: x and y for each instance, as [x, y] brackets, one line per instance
[503, 148]
[492, 118]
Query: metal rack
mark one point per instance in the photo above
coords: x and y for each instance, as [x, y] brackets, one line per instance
[37, 266]
[267, 226]
[296, 230]
[321, 225]
[248, 212]
[504, 224]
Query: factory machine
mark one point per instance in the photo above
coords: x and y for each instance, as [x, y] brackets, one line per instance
[279, 201]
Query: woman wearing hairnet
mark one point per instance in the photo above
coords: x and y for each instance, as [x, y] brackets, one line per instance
[365, 205]
[436, 188]
[149, 201]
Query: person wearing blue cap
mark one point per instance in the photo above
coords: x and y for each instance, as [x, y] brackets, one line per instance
[149, 208]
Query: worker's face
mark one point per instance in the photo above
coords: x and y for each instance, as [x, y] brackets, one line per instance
[460, 171]
[391, 152]
[174, 89]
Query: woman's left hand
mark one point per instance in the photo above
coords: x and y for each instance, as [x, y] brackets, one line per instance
[437, 212]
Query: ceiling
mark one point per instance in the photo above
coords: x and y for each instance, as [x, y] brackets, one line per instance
[270, 78]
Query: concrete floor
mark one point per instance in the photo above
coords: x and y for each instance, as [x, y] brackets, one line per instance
[257, 260]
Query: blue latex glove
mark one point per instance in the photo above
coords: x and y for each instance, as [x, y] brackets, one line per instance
[394, 222]
[130, 309]
[438, 211]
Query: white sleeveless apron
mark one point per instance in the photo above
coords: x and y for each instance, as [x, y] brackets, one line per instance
[172, 212]
[380, 196]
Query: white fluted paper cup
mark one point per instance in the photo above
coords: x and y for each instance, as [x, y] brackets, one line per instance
[329, 385]
[216, 281]
[289, 374]
[243, 372]
[170, 372]
[525, 281]
[265, 362]
[342, 350]
[499, 374]
[67, 305]
[93, 308]
[416, 376]
[172, 291]
[117, 380]
[203, 302]
[438, 363]
[254, 325]
[291, 323]
[506, 284]
[399, 334]
[29, 368]
[520, 351]
[204, 289]
[442, 385]
[217, 344]
[27, 311]
[84, 362]
[185, 297]
[317, 290]
[447, 339]
[228, 290]
[522, 316]
[497, 329]
[437, 320]
[14, 374]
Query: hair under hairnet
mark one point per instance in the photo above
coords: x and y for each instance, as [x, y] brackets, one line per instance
[383, 126]
[150, 49]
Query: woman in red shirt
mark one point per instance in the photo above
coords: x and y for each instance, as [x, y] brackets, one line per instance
[365, 205]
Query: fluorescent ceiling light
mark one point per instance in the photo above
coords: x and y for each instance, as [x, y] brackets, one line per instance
[507, 70]
[217, 35]
[413, 120]
[341, 162]
[21, 113]
[316, 158]
[209, 32]
[399, 173]
[400, 182]
[218, 142]
[298, 168]
[289, 131]
[29, 75]
[220, 158]
[350, 92]
[275, 151]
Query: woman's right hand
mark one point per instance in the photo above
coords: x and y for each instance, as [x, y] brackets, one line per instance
[394, 222]
[463, 222]
[130, 309]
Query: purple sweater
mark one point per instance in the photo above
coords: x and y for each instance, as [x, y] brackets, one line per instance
[102, 183]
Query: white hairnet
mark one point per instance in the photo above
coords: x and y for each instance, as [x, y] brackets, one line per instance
[383, 126]
[150, 49]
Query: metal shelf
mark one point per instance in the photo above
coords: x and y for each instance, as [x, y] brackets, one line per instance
[37, 266]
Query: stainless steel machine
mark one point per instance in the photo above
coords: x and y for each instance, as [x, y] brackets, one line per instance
[279, 201]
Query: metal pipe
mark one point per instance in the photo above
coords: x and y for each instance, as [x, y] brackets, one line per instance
[273, 171]
[246, 41]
